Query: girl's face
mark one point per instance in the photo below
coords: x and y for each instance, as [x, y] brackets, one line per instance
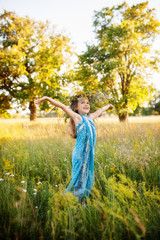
[83, 106]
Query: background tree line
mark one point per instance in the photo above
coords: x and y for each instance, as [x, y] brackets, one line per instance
[35, 60]
[152, 108]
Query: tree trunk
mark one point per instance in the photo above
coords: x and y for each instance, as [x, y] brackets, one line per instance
[33, 111]
[123, 117]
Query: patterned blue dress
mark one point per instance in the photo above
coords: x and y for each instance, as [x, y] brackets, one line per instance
[83, 158]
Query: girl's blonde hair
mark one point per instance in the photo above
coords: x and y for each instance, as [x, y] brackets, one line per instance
[74, 104]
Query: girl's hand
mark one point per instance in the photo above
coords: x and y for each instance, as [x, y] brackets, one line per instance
[40, 100]
[111, 107]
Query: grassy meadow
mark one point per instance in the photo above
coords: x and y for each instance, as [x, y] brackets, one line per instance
[35, 168]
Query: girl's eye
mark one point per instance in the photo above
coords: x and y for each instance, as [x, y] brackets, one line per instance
[84, 103]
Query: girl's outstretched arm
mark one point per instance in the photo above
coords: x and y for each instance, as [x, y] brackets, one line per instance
[101, 110]
[75, 116]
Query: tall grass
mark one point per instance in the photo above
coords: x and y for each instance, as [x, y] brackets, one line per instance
[35, 168]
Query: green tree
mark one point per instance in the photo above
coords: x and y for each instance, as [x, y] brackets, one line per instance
[32, 55]
[156, 103]
[153, 107]
[121, 61]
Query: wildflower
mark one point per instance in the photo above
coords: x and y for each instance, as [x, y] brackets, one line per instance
[22, 181]
[112, 169]
[56, 185]
[24, 190]
[147, 220]
[12, 175]
[34, 193]
[36, 206]
[1, 179]
[39, 183]
[35, 190]
[7, 173]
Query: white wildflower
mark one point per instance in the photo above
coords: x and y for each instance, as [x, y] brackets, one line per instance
[12, 175]
[24, 190]
[1, 179]
[34, 193]
[35, 190]
[22, 181]
[7, 173]
[39, 183]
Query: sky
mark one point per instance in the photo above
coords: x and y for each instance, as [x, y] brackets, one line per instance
[74, 18]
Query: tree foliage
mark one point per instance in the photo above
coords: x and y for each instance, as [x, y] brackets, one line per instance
[31, 58]
[152, 108]
[122, 60]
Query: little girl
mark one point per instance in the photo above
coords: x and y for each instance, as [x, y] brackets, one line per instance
[83, 129]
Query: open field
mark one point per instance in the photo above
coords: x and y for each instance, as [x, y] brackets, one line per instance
[35, 168]
[136, 119]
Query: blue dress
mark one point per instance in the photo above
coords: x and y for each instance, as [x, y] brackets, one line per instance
[83, 158]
